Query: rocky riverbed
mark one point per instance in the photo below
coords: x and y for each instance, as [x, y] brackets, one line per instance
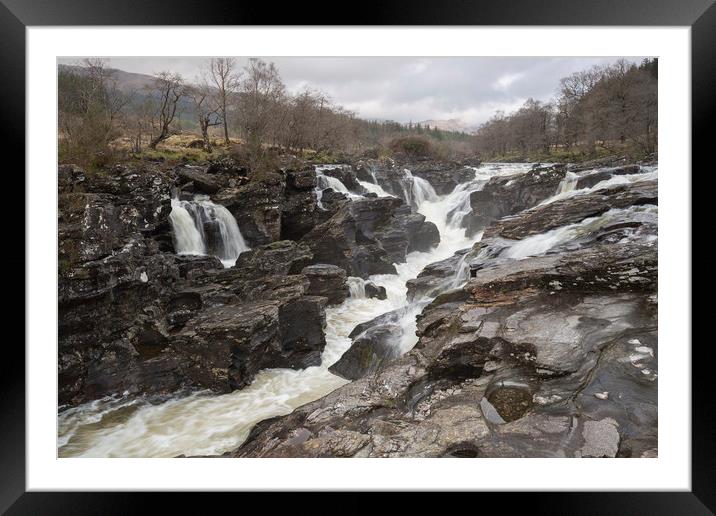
[370, 309]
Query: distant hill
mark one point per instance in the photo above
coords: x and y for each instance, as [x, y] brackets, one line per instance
[139, 85]
[126, 81]
[452, 124]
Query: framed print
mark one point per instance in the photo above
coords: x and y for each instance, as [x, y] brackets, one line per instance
[464, 233]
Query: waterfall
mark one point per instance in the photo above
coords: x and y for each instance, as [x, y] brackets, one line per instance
[323, 181]
[331, 182]
[567, 187]
[568, 183]
[356, 287]
[416, 190]
[422, 190]
[541, 243]
[374, 188]
[201, 227]
[187, 238]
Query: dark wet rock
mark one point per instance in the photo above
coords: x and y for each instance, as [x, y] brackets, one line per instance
[368, 352]
[70, 178]
[373, 291]
[112, 321]
[228, 167]
[443, 177]
[364, 171]
[347, 176]
[590, 179]
[202, 182]
[256, 206]
[434, 277]
[228, 344]
[135, 318]
[367, 236]
[277, 258]
[506, 195]
[328, 281]
[299, 213]
[573, 209]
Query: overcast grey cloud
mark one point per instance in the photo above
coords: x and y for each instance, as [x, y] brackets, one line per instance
[405, 89]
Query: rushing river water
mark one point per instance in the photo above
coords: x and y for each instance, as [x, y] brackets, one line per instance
[204, 423]
[201, 227]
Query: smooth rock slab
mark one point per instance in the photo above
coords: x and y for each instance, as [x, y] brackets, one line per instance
[601, 438]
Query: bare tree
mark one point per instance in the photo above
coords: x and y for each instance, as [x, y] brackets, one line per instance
[262, 96]
[89, 105]
[206, 108]
[169, 89]
[225, 79]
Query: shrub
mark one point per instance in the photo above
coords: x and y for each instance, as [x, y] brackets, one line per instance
[412, 147]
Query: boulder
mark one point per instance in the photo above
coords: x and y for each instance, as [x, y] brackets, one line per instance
[256, 206]
[506, 195]
[227, 166]
[328, 281]
[368, 351]
[202, 182]
[299, 213]
[443, 177]
[347, 176]
[373, 291]
[590, 178]
[368, 235]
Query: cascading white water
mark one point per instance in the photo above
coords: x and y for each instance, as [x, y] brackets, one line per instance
[323, 182]
[374, 188]
[541, 243]
[645, 174]
[200, 227]
[206, 424]
[415, 190]
[187, 238]
[568, 183]
[331, 182]
[356, 287]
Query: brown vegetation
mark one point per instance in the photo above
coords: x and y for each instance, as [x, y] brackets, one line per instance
[603, 110]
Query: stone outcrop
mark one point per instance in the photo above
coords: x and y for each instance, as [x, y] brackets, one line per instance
[389, 174]
[443, 177]
[373, 291]
[347, 176]
[506, 195]
[367, 236]
[201, 181]
[328, 281]
[256, 206]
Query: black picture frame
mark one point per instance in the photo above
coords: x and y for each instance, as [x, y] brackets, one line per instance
[17, 15]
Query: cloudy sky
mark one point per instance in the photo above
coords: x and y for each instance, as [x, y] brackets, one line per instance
[405, 89]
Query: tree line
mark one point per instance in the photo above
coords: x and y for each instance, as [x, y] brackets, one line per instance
[606, 107]
[611, 107]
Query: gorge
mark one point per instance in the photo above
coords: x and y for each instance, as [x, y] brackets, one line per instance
[377, 308]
